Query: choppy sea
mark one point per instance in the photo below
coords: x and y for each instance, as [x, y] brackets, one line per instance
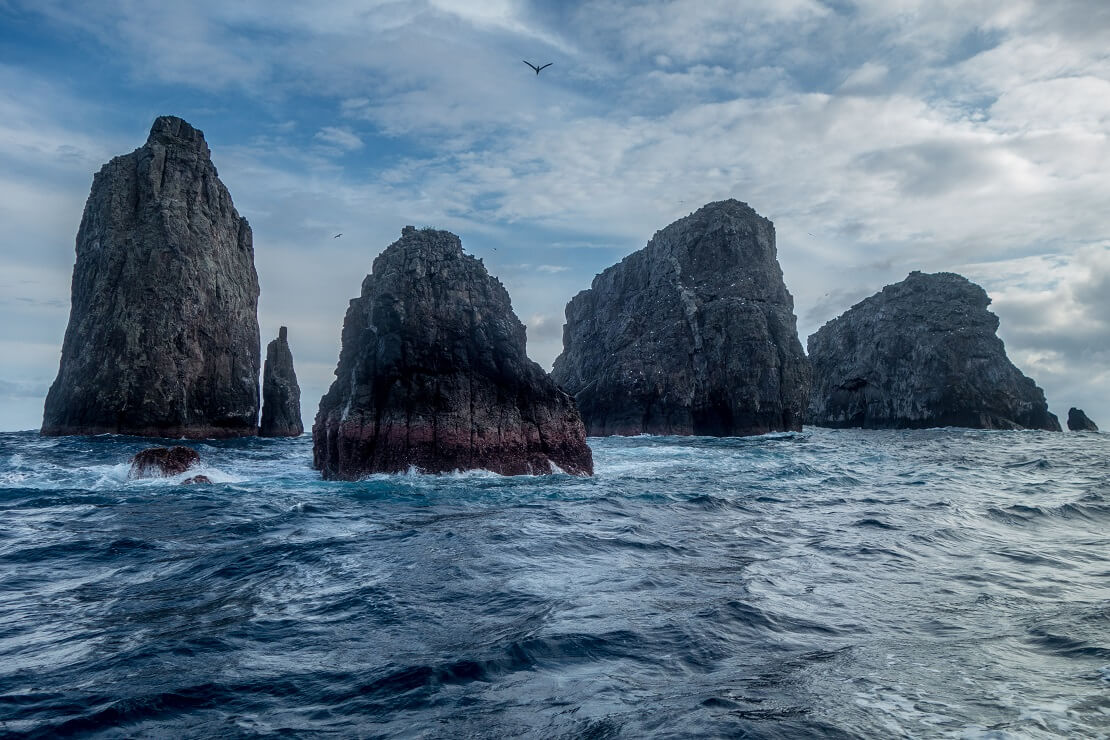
[940, 583]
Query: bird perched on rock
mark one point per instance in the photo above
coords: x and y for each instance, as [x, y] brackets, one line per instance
[537, 68]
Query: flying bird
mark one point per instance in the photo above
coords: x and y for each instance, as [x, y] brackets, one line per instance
[535, 67]
[337, 236]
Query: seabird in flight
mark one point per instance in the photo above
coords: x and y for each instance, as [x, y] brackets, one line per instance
[337, 236]
[535, 67]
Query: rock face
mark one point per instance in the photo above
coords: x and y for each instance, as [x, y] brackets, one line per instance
[159, 462]
[281, 396]
[921, 353]
[1078, 421]
[163, 330]
[433, 375]
[694, 334]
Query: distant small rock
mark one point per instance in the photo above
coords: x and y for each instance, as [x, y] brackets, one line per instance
[281, 396]
[1078, 421]
[921, 353]
[162, 462]
[196, 480]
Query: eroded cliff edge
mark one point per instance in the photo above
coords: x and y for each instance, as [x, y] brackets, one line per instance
[921, 353]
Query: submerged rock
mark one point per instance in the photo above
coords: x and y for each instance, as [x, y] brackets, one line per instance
[163, 331]
[1078, 421]
[921, 353]
[197, 480]
[693, 334]
[281, 396]
[160, 462]
[433, 375]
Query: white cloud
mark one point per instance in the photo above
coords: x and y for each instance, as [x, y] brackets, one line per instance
[905, 134]
[866, 78]
[341, 138]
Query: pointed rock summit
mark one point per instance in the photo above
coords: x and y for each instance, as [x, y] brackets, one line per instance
[693, 334]
[433, 375]
[1079, 421]
[281, 396]
[921, 353]
[163, 331]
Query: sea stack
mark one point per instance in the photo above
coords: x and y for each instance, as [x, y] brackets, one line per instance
[162, 338]
[693, 334]
[1078, 421]
[433, 376]
[921, 353]
[281, 396]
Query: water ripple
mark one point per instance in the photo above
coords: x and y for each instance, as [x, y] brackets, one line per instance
[933, 583]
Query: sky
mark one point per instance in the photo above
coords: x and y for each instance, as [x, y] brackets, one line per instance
[880, 136]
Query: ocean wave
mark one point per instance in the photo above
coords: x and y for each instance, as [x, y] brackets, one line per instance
[833, 583]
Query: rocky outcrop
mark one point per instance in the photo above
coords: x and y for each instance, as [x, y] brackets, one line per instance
[921, 353]
[694, 334]
[433, 375]
[197, 480]
[161, 462]
[281, 396]
[163, 330]
[1078, 421]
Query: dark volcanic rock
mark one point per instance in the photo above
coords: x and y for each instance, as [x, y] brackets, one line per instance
[694, 334]
[921, 353]
[163, 331]
[196, 480]
[433, 374]
[1078, 421]
[281, 396]
[159, 462]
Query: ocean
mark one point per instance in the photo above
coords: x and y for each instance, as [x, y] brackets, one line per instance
[837, 584]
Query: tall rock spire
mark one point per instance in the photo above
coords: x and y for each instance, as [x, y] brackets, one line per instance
[163, 330]
[281, 396]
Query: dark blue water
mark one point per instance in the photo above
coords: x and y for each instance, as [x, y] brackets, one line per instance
[828, 584]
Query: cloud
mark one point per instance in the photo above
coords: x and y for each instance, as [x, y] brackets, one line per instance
[1054, 316]
[541, 326]
[692, 31]
[880, 136]
[22, 390]
[341, 138]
